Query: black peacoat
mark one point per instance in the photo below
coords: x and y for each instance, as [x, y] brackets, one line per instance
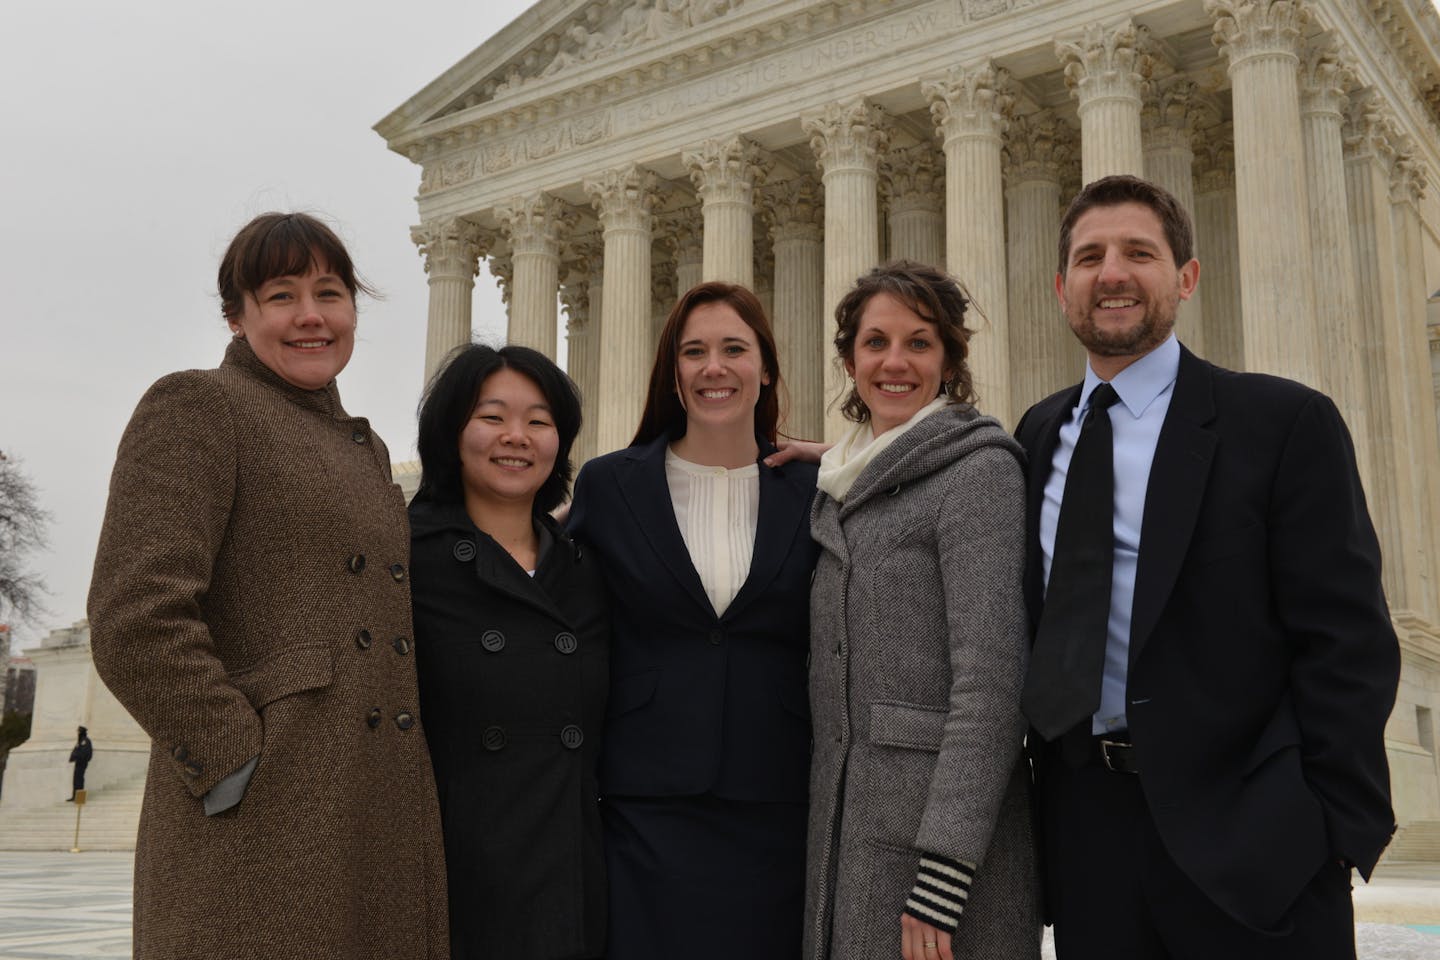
[513, 679]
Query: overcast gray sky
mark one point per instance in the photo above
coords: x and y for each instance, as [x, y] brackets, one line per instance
[138, 137]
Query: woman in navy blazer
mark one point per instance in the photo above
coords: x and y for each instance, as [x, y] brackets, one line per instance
[704, 765]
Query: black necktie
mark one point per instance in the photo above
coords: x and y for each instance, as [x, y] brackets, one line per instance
[1068, 660]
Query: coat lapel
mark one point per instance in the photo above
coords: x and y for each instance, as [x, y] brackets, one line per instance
[647, 495]
[782, 511]
[1174, 493]
[1039, 439]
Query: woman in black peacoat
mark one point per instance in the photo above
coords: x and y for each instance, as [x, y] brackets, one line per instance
[511, 644]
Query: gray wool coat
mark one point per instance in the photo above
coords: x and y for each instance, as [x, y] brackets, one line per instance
[918, 652]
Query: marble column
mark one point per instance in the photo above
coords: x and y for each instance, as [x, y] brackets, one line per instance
[1260, 38]
[725, 172]
[1104, 69]
[1323, 80]
[624, 198]
[1047, 356]
[1408, 177]
[1369, 156]
[803, 331]
[971, 107]
[764, 288]
[912, 183]
[580, 343]
[847, 139]
[1216, 232]
[452, 250]
[1168, 121]
[684, 231]
[533, 224]
[664, 289]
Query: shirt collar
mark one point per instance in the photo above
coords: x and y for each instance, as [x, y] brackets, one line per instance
[1140, 383]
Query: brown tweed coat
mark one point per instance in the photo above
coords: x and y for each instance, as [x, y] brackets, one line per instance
[918, 649]
[251, 597]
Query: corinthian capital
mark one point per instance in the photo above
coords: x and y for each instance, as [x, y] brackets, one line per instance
[913, 178]
[1106, 63]
[849, 134]
[502, 268]
[1039, 147]
[795, 210]
[1324, 79]
[1214, 149]
[727, 169]
[534, 223]
[1173, 110]
[1257, 28]
[623, 197]
[1369, 130]
[970, 101]
[450, 247]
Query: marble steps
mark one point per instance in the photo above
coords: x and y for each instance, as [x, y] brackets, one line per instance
[109, 821]
[1416, 842]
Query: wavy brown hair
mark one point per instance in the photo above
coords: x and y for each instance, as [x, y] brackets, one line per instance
[664, 414]
[931, 293]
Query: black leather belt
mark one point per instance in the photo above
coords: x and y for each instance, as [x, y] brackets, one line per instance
[1117, 753]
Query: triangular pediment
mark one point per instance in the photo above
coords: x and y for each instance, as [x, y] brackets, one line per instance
[556, 40]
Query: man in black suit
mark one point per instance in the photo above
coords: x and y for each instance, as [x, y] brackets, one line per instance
[1209, 697]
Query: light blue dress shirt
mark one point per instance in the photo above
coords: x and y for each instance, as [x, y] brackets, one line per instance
[1145, 388]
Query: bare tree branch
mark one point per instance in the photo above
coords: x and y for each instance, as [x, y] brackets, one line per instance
[23, 526]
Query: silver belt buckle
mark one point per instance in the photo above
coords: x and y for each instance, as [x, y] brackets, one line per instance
[1105, 746]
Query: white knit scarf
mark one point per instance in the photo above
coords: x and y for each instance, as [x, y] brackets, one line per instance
[843, 463]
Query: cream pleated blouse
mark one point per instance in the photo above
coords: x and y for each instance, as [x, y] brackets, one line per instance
[716, 509]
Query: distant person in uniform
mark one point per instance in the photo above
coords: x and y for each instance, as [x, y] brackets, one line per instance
[80, 756]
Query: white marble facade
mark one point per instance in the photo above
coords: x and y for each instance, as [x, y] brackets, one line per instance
[613, 152]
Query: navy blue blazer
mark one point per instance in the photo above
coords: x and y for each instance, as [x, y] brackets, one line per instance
[1263, 664]
[700, 703]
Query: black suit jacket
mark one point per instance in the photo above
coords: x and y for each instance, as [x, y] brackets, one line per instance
[700, 703]
[1263, 664]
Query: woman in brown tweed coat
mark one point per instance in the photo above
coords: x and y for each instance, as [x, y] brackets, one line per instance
[250, 608]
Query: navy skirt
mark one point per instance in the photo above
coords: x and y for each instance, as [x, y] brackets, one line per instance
[702, 877]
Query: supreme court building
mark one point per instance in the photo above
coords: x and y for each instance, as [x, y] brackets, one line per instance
[608, 154]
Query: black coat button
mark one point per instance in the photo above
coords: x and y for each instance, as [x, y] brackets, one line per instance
[373, 718]
[404, 720]
[566, 642]
[359, 436]
[716, 636]
[493, 641]
[180, 754]
[572, 736]
[363, 639]
[194, 768]
[397, 571]
[357, 562]
[464, 551]
[493, 738]
[402, 645]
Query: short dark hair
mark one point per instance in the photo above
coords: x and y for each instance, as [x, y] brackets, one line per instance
[450, 399]
[1122, 188]
[281, 245]
[664, 415]
[931, 293]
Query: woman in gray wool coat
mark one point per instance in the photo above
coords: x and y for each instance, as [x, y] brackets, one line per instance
[920, 812]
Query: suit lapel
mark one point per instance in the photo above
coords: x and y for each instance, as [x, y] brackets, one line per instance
[782, 510]
[1173, 495]
[647, 495]
[1039, 440]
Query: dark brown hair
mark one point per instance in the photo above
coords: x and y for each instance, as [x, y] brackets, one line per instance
[1122, 188]
[931, 293]
[450, 399]
[281, 245]
[664, 415]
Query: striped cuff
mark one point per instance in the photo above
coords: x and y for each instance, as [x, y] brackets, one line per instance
[941, 889]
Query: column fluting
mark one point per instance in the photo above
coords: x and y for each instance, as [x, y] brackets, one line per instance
[452, 250]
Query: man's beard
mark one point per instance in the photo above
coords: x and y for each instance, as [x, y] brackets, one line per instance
[1149, 333]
